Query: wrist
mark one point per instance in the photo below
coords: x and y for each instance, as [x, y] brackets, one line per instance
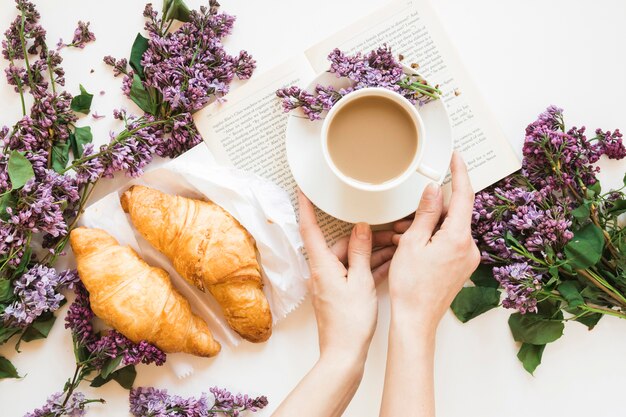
[349, 363]
[419, 324]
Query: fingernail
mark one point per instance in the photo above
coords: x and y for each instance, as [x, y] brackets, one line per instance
[363, 231]
[432, 191]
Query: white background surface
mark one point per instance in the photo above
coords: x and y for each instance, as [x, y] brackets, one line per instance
[524, 56]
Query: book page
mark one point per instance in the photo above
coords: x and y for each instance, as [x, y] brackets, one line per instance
[412, 28]
[248, 131]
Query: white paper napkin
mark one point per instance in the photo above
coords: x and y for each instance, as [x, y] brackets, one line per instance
[260, 206]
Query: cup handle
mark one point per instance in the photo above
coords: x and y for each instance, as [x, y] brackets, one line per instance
[430, 173]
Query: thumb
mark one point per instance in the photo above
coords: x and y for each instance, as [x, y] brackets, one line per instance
[360, 248]
[428, 214]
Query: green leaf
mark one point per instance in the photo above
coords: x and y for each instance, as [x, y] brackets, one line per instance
[569, 291]
[594, 190]
[7, 370]
[581, 213]
[136, 53]
[530, 328]
[617, 207]
[141, 97]
[510, 240]
[40, 328]
[24, 263]
[483, 277]
[6, 200]
[60, 156]
[79, 138]
[549, 309]
[6, 291]
[471, 302]
[82, 103]
[585, 248]
[175, 9]
[80, 352]
[124, 376]
[590, 320]
[624, 179]
[530, 356]
[7, 332]
[111, 366]
[20, 170]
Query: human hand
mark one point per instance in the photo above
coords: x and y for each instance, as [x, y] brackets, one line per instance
[342, 284]
[430, 264]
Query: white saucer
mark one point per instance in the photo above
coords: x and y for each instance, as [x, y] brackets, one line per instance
[326, 191]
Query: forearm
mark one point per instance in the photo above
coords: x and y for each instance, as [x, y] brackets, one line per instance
[409, 381]
[326, 390]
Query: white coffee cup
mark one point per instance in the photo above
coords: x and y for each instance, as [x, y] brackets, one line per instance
[416, 164]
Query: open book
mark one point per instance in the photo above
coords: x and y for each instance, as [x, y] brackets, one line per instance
[248, 130]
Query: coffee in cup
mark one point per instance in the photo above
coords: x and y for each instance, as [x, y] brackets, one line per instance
[373, 138]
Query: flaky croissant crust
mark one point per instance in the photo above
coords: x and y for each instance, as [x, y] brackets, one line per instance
[210, 249]
[136, 299]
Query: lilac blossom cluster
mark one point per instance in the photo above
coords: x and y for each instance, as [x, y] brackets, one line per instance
[82, 36]
[147, 401]
[37, 292]
[523, 223]
[46, 202]
[186, 69]
[521, 284]
[57, 406]
[109, 344]
[378, 68]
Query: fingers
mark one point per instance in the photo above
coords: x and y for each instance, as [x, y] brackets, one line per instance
[427, 215]
[360, 248]
[459, 214]
[381, 273]
[381, 256]
[381, 239]
[402, 226]
[340, 249]
[312, 236]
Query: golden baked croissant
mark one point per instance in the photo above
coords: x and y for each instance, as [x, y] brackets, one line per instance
[210, 249]
[136, 299]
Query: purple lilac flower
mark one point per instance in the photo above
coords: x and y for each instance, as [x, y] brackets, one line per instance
[189, 66]
[224, 400]
[120, 66]
[91, 169]
[28, 18]
[80, 315]
[82, 35]
[555, 159]
[130, 155]
[75, 407]
[5, 182]
[43, 203]
[378, 68]
[12, 240]
[183, 136]
[521, 284]
[16, 76]
[148, 401]
[552, 229]
[611, 144]
[37, 292]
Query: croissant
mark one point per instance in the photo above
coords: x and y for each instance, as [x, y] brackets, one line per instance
[210, 249]
[136, 299]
